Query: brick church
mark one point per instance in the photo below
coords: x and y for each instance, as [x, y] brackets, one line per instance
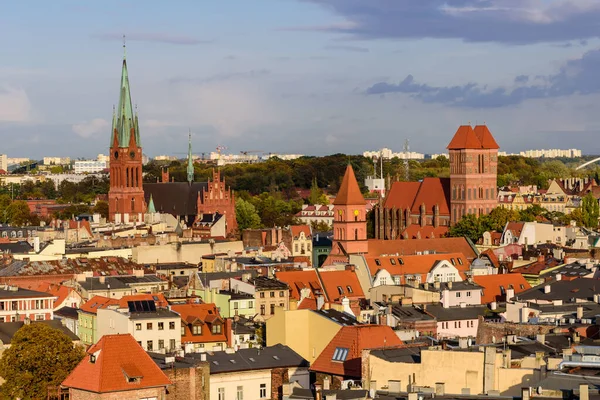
[129, 199]
[426, 209]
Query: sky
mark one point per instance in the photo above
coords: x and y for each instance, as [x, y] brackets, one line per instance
[311, 77]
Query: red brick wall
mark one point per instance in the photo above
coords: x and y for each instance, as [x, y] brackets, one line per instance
[190, 383]
[279, 377]
[76, 394]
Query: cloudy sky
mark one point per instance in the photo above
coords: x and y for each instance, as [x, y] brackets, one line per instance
[300, 76]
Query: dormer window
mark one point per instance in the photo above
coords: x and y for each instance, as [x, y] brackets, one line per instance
[216, 329]
[340, 290]
[392, 261]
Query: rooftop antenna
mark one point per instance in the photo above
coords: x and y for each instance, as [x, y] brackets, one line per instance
[406, 163]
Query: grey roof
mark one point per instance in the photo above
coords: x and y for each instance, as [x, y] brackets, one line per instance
[176, 198]
[207, 277]
[339, 317]
[278, 356]
[8, 329]
[410, 313]
[264, 283]
[21, 293]
[20, 247]
[67, 312]
[168, 266]
[572, 270]
[529, 348]
[556, 381]
[237, 295]
[117, 282]
[456, 313]
[458, 286]
[159, 313]
[582, 288]
[403, 355]
[243, 327]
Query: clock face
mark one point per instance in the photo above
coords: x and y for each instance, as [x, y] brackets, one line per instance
[356, 212]
[116, 154]
[340, 212]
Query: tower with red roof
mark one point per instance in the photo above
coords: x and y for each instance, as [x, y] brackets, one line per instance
[473, 172]
[349, 220]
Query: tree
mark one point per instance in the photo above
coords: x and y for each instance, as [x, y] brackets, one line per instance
[496, 220]
[18, 213]
[101, 208]
[590, 211]
[38, 357]
[246, 215]
[317, 196]
[469, 226]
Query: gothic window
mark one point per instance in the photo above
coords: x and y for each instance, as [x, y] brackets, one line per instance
[469, 193]
[132, 203]
[481, 193]
[356, 234]
[454, 192]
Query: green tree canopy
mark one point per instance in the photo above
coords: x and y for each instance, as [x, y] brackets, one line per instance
[38, 357]
[590, 211]
[246, 215]
[469, 226]
[316, 195]
[101, 208]
[18, 213]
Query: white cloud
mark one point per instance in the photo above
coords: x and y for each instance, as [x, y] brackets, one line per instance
[14, 105]
[89, 128]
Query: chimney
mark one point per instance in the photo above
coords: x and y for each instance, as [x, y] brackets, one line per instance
[584, 393]
[579, 312]
[547, 289]
[541, 337]
[449, 285]
[318, 391]
[493, 305]
[102, 279]
[510, 293]
[558, 277]
[203, 357]
[326, 383]
[525, 393]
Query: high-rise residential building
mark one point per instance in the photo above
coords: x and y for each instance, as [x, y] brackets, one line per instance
[3, 162]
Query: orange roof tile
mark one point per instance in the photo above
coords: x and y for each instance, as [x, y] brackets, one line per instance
[116, 357]
[307, 303]
[402, 195]
[414, 264]
[378, 247]
[297, 229]
[493, 284]
[349, 193]
[415, 231]
[340, 284]
[203, 315]
[298, 280]
[61, 292]
[353, 339]
[96, 302]
[464, 138]
[485, 137]
[433, 191]
[489, 253]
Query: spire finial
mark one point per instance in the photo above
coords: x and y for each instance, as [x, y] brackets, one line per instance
[124, 48]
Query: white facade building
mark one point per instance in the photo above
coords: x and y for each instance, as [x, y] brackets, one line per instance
[57, 160]
[545, 153]
[89, 166]
[3, 162]
[387, 154]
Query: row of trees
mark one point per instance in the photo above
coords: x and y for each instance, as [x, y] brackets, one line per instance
[66, 192]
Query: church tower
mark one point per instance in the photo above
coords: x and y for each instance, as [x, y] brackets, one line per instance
[473, 172]
[126, 195]
[350, 217]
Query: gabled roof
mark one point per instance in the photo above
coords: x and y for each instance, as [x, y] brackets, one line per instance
[349, 193]
[432, 192]
[468, 138]
[339, 284]
[414, 264]
[485, 137]
[158, 298]
[350, 341]
[61, 292]
[110, 362]
[582, 288]
[200, 314]
[297, 229]
[96, 302]
[495, 286]
[402, 195]
[298, 280]
[378, 247]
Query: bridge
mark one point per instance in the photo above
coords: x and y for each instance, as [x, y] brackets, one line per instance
[588, 163]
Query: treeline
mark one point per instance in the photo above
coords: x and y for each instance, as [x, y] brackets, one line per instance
[66, 192]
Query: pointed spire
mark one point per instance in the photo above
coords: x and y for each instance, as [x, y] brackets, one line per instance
[349, 193]
[125, 119]
[151, 208]
[190, 166]
[114, 126]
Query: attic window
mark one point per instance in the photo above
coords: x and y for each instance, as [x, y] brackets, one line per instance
[392, 261]
[522, 286]
[401, 261]
[232, 361]
[502, 290]
[340, 354]
[340, 289]
[276, 357]
[453, 261]
[252, 359]
[216, 362]
[377, 262]
[349, 288]
[460, 261]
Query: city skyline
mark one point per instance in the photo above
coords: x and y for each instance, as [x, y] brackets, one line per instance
[314, 77]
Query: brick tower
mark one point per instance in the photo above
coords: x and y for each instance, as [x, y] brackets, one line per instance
[473, 172]
[126, 195]
[349, 219]
[218, 198]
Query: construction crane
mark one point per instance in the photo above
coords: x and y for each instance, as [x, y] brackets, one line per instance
[246, 152]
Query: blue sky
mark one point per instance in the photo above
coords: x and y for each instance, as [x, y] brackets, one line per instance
[300, 76]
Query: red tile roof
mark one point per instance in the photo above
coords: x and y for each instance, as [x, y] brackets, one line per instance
[349, 193]
[415, 231]
[415, 264]
[516, 228]
[402, 195]
[340, 284]
[485, 137]
[433, 191]
[307, 303]
[204, 315]
[61, 292]
[489, 253]
[297, 229]
[117, 357]
[354, 339]
[493, 284]
[378, 247]
[96, 302]
[298, 280]
[468, 138]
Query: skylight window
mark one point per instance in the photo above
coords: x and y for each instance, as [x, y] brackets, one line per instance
[392, 261]
[349, 288]
[340, 354]
[340, 289]
[401, 261]
[377, 262]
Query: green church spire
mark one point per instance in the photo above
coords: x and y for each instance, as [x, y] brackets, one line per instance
[126, 121]
[151, 208]
[190, 166]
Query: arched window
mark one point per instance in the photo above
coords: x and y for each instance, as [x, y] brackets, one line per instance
[132, 203]
[356, 234]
